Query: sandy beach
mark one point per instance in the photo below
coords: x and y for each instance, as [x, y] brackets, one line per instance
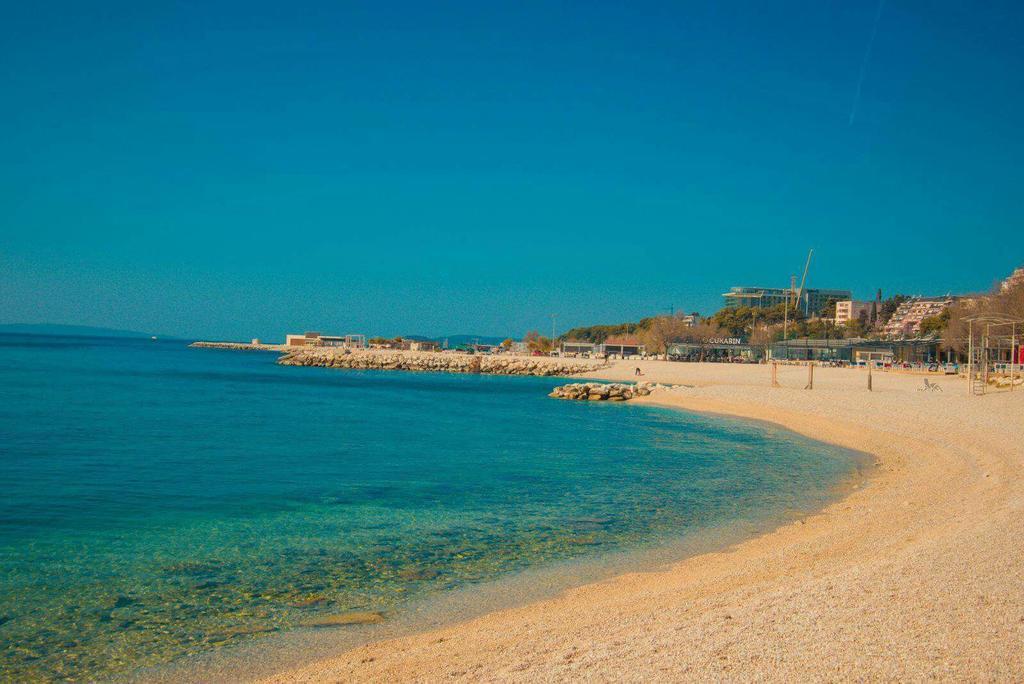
[917, 573]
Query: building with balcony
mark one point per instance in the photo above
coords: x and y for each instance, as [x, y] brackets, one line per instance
[906, 320]
[850, 310]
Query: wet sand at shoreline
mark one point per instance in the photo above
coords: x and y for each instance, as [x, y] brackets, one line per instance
[917, 573]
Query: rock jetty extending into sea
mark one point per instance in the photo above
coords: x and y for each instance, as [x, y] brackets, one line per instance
[239, 346]
[439, 362]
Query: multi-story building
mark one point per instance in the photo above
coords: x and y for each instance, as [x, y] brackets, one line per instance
[906, 321]
[850, 310]
[812, 301]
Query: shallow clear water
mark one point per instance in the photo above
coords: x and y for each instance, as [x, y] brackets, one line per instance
[161, 502]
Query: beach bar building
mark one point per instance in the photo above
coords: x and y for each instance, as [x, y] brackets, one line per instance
[315, 339]
[717, 349]
[622, 346]
[578, 348]
[720, 349]
[307, 339]
[857, 350]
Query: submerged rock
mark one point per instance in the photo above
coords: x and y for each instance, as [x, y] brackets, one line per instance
[418, 574]
[308, 602]
[346, 619]
[245, 630]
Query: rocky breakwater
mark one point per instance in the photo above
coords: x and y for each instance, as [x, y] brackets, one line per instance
[438, 362]
[237, 346]
[1004, 381]
[598, 391]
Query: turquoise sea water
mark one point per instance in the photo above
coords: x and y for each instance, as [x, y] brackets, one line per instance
[161, 502]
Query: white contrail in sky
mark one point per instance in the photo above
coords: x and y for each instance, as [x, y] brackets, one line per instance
[864, 62]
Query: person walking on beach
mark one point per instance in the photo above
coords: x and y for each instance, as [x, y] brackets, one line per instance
[637, 371]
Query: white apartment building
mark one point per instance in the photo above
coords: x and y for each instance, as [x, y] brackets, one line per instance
[851, 310]
[906, 322]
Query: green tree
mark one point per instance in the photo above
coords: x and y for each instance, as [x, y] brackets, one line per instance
[736, 321]
[661, 332]
[536, 342]
[857, 327]
[761, 338]
[829, 309]
[597, 333]
[889, 307]
[701, 336]
[935, 325]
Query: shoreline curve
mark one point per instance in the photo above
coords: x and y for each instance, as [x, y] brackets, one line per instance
[914, 574]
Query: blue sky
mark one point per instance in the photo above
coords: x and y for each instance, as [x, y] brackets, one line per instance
[247, 169]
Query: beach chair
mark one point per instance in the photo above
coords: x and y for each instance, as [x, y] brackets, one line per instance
[929, 387]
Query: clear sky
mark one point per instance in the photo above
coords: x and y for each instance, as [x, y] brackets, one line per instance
[233, 170]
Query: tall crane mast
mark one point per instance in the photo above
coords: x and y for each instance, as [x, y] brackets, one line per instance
[803, 280]
[799, 293]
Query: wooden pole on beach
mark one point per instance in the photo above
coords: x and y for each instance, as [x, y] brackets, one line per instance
[1013, 351]
[970, 357]
[869, 377]
[810, 375]
[775, 374]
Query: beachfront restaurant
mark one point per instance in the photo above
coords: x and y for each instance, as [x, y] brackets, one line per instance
[308, 339]
[721, 349]
[858, 350]
[577, 348]
[622, 346]
[808, 349]
[315, 339]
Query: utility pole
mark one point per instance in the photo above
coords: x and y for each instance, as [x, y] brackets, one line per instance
[785, 312]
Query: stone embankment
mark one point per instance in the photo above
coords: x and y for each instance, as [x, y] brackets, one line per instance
[440, 362]
[238, 346]
[1003, 381]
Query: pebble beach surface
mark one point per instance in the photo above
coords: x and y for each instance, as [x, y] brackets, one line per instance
[917, 574]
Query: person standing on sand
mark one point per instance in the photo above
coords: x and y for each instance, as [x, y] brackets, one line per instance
[637, 371]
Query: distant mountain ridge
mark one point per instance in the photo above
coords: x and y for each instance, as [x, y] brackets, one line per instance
[68, 330]
[58, 329]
